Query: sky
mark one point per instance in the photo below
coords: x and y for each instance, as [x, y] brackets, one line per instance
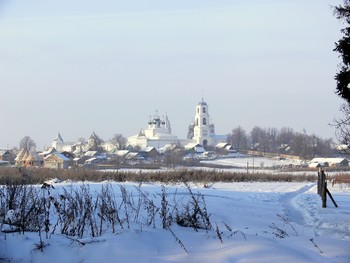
[76, 67]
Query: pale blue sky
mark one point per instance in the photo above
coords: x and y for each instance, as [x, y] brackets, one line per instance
[106, 66]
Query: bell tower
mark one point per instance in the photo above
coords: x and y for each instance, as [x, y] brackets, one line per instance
[202, 131]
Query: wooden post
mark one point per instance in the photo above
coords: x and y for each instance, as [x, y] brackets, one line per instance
[322, 189]
[331, 197]
[322, 186]
[319, 184]
[324, 194]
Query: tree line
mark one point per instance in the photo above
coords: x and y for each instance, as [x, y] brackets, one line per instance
[280, 141]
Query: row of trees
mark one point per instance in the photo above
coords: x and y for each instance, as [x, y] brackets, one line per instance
[283, 141]
[95, 142]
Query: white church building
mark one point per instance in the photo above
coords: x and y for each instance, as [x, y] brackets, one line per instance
[157, 134]
[202, 131]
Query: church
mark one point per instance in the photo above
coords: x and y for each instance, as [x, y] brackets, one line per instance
[158, 134]
[202, 131]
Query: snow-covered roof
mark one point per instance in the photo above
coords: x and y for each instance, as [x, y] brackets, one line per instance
[20, 155]
[191, 145]
[33, 156]
[90, 153]
[147, 149]
[91, 160]
[342, 147]
[59, 155]
[121, 152]
[133, 155]
[221, 145]
[2, 152]
[49, 151]
[328, 160]
[197, 147]
[314, 165]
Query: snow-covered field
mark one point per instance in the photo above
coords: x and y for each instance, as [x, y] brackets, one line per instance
[258, 222]
[251, 162]
[241, 164]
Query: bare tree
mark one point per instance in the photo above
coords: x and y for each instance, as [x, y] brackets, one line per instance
[271, 139]
[174, 156]
[119, 141]
[342, 125]
[27, 144]
[238, 139]
[259, 139]
[303, 146]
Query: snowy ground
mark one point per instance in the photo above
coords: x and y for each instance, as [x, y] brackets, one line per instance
[241, 164]
[254, 162]
[258, 215]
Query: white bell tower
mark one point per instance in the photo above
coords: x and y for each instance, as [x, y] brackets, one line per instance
[202, 132]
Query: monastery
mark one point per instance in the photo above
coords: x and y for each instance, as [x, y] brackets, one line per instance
[158, 134]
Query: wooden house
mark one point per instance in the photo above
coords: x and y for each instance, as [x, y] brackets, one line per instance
[56, 161]
[6, 155]
[149, 153]
[33, 159]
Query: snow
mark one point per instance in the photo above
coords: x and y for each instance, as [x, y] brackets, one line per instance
[255, 212]
[256, 162]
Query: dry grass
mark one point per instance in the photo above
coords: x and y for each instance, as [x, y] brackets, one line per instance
[341, 179]
[40, 175]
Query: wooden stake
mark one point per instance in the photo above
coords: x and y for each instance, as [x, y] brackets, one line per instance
[324, 194]
[331, 197]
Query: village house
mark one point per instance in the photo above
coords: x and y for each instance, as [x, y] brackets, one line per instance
[194, 148]
[135, 157]
[328, 162]
[56, 161]
[33, 159]
[6, 156]
[225, 148]
[25, 158]
[149, 153]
